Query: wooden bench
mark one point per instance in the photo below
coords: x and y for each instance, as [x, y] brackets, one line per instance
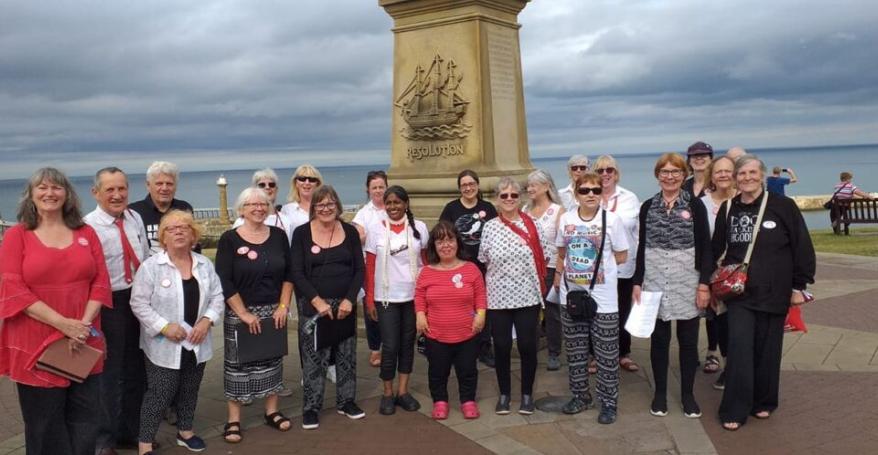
[855, 211]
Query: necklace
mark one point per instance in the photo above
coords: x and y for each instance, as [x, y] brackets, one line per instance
[331, 233]
[579, 214]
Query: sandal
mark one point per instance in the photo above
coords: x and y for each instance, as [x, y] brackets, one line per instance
[731, 426]
[592, 367]
[629, 365]
[229, 431]
[762, 414]
[711, 364]
[276, 419]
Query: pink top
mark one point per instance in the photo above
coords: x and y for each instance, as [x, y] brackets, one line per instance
[64, 279]
[450, 299]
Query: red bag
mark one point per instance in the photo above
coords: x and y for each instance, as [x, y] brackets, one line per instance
[728, 281]
[794, 322]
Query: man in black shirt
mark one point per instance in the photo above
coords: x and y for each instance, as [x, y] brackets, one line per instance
[161, 183]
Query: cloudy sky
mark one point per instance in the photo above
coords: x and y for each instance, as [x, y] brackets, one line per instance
[88, 83]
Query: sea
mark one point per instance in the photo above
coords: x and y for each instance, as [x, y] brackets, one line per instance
[818, 170]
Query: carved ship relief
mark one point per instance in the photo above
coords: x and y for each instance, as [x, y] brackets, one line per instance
[431, 104]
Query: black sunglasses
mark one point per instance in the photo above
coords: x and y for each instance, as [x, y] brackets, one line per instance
[266, 185]
[505, 196]
[578, 168]
[303, 179]
[583, 190]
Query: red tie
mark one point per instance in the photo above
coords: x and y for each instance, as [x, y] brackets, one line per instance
[129, 258]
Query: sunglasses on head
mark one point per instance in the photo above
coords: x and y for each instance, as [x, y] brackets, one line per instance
[583, 190]
[605, 170]
[266, 185]
[506, 196]
[578, 167]
[304, 179]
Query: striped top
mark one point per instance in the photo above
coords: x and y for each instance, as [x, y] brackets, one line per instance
[844, 190]
[450, 299]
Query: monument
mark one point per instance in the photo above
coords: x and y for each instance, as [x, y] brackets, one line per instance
[458, 101]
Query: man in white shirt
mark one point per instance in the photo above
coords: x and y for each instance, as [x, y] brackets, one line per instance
[125, 245]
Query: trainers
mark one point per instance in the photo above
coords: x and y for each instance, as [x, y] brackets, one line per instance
[659, 406]
[527, 405]
[408, 402]
[720, 383]
[577, 405]
[607, 415]
[351, 410]
[193, 444]
[310, 420]
[330, 374]
[387, 406]
[553, 363]
[690, 407]
[502, 407]
[284, 391]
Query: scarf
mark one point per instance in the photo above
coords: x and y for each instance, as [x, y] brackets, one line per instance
[532, 238]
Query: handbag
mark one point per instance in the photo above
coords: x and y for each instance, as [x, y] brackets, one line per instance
[581, 306]
[731, 279]
[828, 204]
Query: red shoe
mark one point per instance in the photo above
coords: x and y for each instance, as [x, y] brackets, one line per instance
[440, 410]
[470, 410]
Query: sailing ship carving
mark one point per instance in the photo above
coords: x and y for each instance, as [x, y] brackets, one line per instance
[431, 104]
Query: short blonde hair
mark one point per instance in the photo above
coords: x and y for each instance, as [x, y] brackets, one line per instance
[605, 161]
[179, 215]
[305, 170]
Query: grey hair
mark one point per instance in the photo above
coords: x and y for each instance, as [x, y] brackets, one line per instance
[267, 173]
[541, 176]
[247, 194]
[577, 160]
[507, 182]
[749, 158]
[162, 167]
[108, 170]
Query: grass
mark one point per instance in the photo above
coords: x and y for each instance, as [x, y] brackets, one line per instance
[863, 241]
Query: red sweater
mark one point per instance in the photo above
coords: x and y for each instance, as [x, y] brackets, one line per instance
[450, 299]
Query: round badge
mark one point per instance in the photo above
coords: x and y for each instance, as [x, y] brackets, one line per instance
[457, 278]
[82, 241]
[315, 249]
[252, 255]
[166, 283]
[769, 224]
[685, 215]
[550, 211]
[482, 214]
[458, 285]
[243, 250]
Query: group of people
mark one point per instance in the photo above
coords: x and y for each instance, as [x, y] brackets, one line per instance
[128, 279]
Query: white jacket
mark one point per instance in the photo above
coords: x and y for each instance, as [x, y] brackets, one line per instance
[157, 300]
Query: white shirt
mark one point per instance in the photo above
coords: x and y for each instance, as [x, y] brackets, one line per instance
[582, 240]
[157, 300]
[367, 215]
[402, 247]
[626, 206]
[297, 215]
[276, 219]
[568, 198]
[104, 225]
[548, 221]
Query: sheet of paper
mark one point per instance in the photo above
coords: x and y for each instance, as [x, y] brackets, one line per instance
[185, 343]
[641, 320]
[553, 296]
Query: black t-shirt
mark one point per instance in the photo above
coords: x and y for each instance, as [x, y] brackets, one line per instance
[191, 294]
[469, 222]
[331, 266]
[740, 229]
[255, 271]
[689, 186]
[151, 216]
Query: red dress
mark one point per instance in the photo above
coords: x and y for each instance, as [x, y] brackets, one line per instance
[63, 278]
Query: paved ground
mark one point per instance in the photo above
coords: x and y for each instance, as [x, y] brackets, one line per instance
[829, 398]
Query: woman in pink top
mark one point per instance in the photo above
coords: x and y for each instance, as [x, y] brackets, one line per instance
[53, 282]
[450, 302]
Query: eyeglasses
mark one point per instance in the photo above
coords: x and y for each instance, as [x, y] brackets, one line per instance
[670, 173]
[577, 167]
[303, 179]
[266, 185]
[605, 170]
[327, 206]
[255, 205]
[583, 190]
[176, 229]
[506, 196]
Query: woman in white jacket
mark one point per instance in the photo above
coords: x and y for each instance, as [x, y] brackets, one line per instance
[177, 297]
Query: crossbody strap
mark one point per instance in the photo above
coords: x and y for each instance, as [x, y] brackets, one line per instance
[756, 227]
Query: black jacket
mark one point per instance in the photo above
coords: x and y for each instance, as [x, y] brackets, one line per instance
[302, 264]
[783, 257]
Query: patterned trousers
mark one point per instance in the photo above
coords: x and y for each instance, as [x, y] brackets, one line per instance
[163, 385]
[603, 332]
[315, 362]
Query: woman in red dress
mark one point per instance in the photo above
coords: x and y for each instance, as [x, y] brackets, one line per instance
[53, 281]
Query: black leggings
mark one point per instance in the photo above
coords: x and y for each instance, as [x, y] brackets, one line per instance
[659, 352]
[462, 356]
[525, 321]
[718, 333]
[397, 324]
[624, 287]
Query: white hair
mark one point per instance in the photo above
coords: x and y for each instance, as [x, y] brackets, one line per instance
[267, 173]
[247, 194]
[508, 182]
[162, 167]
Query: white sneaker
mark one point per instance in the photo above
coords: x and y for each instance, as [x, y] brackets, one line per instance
[330, 374]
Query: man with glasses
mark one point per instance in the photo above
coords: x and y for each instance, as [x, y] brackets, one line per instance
[161, 184]
[576, 167]
[698, 158]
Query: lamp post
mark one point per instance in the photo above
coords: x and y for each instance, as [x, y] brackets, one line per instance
[223, 200]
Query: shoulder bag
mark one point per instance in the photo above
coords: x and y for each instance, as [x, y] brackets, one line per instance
[581, 306]
[828, 204]
[731, 280]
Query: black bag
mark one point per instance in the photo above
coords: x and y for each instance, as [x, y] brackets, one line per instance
[828, 204]
[581, 306]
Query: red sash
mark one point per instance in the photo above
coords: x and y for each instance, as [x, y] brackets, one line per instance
[532, 238]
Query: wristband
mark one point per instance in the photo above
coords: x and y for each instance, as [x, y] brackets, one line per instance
[480, 312]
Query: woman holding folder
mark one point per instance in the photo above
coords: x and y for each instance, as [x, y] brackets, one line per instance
[253, 261]
[53, 281]
[177, 298]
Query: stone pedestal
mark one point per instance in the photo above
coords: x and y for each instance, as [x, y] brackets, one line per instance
[458, 101]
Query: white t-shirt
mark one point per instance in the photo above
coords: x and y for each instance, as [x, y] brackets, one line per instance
[568, 198]
[400, 283]
[297, 215]
[582, 240]
[625, 204]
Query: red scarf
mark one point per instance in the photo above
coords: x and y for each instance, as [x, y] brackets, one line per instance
[532, 238]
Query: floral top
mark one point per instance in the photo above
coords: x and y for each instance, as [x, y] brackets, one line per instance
[512, 275]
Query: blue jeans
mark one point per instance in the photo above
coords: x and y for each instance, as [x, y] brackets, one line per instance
[61, 420]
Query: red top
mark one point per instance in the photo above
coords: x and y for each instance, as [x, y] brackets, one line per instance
[64, 279]
[450, 299]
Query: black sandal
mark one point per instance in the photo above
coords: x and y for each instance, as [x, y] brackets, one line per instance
[276, 419]
[228, 431]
